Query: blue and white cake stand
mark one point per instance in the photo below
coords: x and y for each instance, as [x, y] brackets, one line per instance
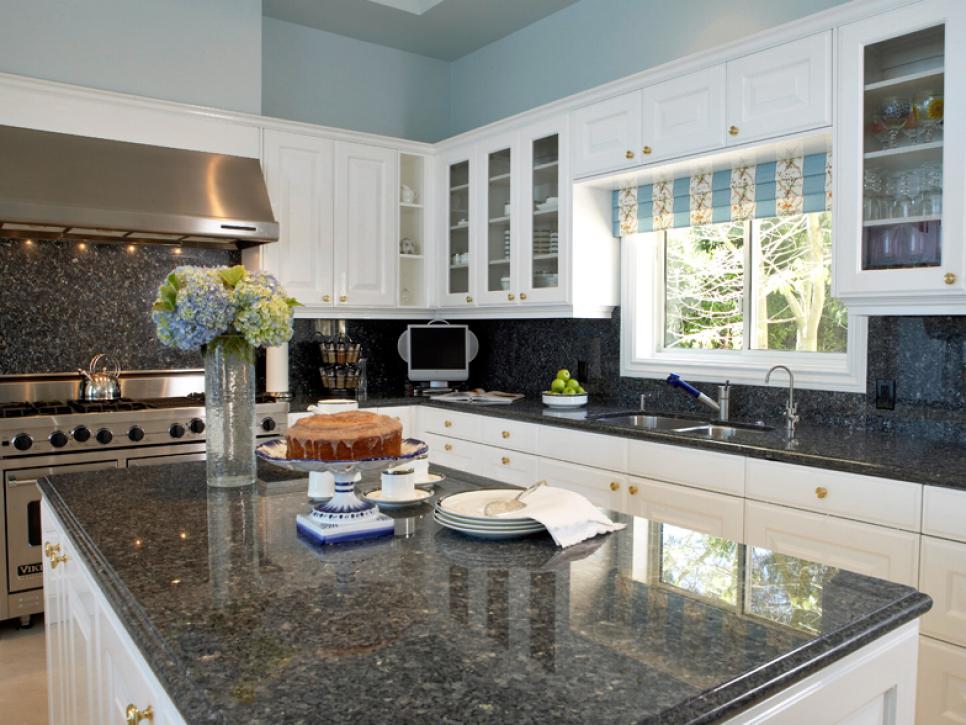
[344, 517]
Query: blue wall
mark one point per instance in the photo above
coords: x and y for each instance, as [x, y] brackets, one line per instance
[595, 41]
[206, 52]
[318, 77]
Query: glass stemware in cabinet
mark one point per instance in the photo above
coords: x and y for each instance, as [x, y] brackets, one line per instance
[894, 114]
[928, 107]
[545, 231]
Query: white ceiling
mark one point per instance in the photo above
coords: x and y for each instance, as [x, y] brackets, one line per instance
[444, 29]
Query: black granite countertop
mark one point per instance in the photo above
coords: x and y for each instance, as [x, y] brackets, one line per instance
[884, 454]
[243, 621]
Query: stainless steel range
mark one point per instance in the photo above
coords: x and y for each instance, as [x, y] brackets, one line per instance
[45, 430]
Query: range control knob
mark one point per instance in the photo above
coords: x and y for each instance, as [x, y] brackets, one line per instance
[81, 434]
[196, 425]
[22, 442]
[104, 436]
[58, 439]
[176, 430]
[268, 425]
[136, 433]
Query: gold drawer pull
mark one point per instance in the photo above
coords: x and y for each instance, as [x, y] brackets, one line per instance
[326, 298]
[133, 715]
[614, 486]
[469, 299]
[505, 461]
[523, 295]
[949, 278]
[343, 298]
[510, 296]
[447, 447]
[821, 492]
[647, 150]
[628, 154]
[505, 434]
[632, 490]
[447, 424]
[733, 130]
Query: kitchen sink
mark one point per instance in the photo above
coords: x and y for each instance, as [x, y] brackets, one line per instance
[648, 422]
[716, 430]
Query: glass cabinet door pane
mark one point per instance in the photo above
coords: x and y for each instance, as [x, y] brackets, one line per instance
[902, 175]
[498, 237]
[545, 243]
[458, 256]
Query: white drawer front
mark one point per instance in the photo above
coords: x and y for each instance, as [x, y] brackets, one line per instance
[709, 513]
[863, 548]
[602, 488]
[453, 453]
[514, 467]
[676, 464]
[944, 512]
[510, 434]
[941, 694]
[942, 576]
[864, 498]
[402, 413]
[589, 449]
[450, 423]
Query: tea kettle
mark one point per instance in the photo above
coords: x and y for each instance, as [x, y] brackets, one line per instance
[100, 384]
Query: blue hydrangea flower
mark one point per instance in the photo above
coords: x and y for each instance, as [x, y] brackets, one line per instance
[200, 309]
[263, 313]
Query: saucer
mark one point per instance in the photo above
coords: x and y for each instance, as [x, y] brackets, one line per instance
[377, 498]
[431, 480]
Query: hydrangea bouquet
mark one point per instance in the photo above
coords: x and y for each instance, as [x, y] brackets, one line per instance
[198, 306]
[226, 312]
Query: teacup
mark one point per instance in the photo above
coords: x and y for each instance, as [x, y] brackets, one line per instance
[399, 484]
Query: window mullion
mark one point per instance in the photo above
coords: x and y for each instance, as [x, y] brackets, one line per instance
[750, 322]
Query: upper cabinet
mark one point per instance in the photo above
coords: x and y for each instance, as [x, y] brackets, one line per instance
[781, 90]
[771, 93]
[899, 165]
[458, 170]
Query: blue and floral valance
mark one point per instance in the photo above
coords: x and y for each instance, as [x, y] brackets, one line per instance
[785, 187]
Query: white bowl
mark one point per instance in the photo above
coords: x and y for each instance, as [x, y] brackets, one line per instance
[555, 400]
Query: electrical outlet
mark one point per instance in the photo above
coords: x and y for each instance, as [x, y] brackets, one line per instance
[885, 394]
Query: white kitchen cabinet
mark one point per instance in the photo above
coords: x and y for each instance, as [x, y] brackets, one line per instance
[453, 452]
[684, 115]
[781, 90]
[941, 696]
[56, 625]
[901, 253]
[402, 413]
[450, 423]
[513, 435]
[863, 548]
[607, 489]
[460, 204]
[942, 575]
[498, 268]
[944, 512]
[607, 135]
[513, 467]
[720, 472]
[365, 243]
[588, 449]
[709, 513]
[299, 175]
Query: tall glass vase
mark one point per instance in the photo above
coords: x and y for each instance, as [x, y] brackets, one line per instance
[230, 411]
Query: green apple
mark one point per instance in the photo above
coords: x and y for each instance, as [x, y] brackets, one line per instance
[580, 390]
[570, 391]
[572, 384]
[563, 374]
[557, 386]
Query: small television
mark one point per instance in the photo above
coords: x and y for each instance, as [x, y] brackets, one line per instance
[438, 353]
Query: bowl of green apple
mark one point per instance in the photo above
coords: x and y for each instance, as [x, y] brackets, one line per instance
[565, 392]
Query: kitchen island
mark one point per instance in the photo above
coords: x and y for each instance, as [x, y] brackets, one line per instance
[225, 615]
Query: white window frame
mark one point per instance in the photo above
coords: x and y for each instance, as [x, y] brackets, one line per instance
[642, 334]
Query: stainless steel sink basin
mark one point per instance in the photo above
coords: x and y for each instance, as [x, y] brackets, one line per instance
[724, 430]
[649, 422]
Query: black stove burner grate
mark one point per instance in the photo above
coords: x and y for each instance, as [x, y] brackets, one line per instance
[39, 407]
[68, 407]
[107, 406]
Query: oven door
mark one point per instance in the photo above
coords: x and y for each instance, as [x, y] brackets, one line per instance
[24, 547]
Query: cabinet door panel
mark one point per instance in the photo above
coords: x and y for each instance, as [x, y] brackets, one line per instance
[55, 624]
[941, 694]
[684, 115]
[605, 133]
[590, 449]
[943, 577]
[709, 513]
[606, 489]
[781, 90]
[944, 512]
[365, 254]
[81, 659]
[862, 548]
[704, 469]
[453, 453]
[519, 469]
[298, 172]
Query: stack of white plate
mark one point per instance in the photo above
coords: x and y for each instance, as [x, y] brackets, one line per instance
[463, 512]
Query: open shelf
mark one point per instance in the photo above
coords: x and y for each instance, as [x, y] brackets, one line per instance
[902, 220]
[499, 261]
[546, 166]
[500, 220]
[546, 212]
[459, 227]
[545, 257]
[904, 157]
[411, 256]
[500, 177]
[404, 205]
[459, 266]
[912, 80]
[459, 187]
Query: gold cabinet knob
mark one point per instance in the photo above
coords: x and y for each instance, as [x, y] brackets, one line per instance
[821, 492]
[614, 486]
[733, 130]
[343, 298]
[447, 447]
[628, 154]
[949, 278]
[523, 295]
[469, 299]
[326, 298]
[510, 296]
[133, 715]
[505, 461]
[447, 424]
[505, 434]
[647, 150]
[50, 549]
[57, 559]
[632, 490]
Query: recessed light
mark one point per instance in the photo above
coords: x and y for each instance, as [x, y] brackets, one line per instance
[82, 246]
[131, 248]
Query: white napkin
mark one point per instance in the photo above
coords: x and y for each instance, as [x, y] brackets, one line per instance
[569, 517]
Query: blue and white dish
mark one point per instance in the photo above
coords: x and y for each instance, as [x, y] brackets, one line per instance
[276, 452]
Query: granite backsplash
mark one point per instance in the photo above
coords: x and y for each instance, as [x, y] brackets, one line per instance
[925, 356]
[62, 302]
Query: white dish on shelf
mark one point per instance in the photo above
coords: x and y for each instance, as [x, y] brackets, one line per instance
[556, 400]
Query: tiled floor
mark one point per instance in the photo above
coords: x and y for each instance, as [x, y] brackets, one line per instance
[23, 678]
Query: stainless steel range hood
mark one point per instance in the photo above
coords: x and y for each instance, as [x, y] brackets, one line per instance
[55, 185]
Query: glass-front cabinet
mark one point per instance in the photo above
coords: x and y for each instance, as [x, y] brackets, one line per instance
[543, 232]
[498, 265]
[457, 261]
[899, 160]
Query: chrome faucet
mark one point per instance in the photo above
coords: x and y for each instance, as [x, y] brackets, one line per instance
[791, 408]
[721, 407]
